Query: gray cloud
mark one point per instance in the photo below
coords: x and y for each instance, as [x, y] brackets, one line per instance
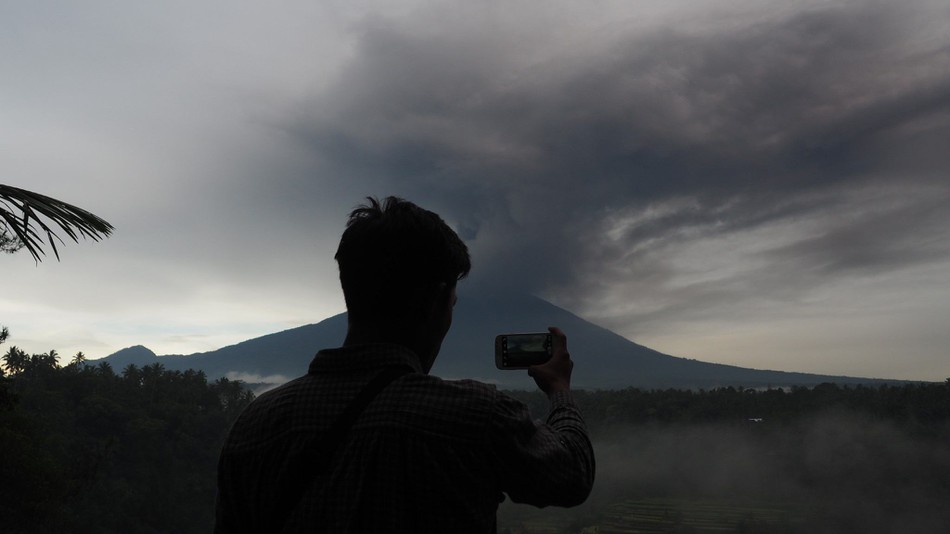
[723, 130]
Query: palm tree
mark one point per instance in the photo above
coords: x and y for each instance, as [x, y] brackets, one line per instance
[78, 360]
[15, 360]
[132, 374]
[20, 211]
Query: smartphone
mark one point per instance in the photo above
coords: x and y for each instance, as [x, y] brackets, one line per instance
[520, 351]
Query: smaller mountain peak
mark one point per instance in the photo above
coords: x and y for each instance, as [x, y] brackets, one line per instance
[137, 354]
[136, 349]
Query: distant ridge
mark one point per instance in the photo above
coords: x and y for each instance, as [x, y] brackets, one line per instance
[603, 359]
[137, 355]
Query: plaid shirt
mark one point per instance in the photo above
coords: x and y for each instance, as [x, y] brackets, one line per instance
[427, 455]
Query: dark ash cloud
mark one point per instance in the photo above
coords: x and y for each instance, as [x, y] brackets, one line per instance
[599, 162]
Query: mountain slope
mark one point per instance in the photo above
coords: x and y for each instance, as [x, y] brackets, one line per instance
[602, 359]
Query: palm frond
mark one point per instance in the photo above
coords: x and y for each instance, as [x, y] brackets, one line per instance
[21, 211]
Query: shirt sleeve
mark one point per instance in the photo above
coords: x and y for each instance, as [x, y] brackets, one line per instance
[550, 463]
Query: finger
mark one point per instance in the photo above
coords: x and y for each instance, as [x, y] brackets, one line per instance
[560, 338]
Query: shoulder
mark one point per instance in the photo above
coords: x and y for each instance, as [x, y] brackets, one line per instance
[268, 413]
[451, 394]
[460, 408]
[472, 394]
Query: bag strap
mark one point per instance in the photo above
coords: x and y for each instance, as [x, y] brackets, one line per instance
[318, 457]
[324, 451]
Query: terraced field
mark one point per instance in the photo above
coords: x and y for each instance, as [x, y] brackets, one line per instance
[662, 516]
[697, 516]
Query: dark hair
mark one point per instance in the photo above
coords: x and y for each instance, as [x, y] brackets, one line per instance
[391, 249]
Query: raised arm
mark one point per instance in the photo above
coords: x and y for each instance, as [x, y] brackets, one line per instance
[550, 463]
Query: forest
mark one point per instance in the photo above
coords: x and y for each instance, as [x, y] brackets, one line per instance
[86, 448]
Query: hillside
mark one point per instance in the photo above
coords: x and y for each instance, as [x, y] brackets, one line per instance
[603, 359]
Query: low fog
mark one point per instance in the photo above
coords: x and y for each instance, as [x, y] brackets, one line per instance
[834, 472]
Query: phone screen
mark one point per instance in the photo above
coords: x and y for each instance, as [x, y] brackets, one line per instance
[519, 351]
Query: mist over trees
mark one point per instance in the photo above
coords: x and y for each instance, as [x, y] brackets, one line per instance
[827, 459]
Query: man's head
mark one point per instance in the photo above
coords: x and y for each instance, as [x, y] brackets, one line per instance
[399, 265]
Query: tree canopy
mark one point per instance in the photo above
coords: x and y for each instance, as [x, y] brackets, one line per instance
[88, 450]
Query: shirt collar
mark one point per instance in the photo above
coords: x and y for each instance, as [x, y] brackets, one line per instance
[356, 358]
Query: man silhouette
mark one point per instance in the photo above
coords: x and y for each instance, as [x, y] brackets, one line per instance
[367, 441]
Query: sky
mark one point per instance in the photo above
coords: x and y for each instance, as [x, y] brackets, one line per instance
[762, 184]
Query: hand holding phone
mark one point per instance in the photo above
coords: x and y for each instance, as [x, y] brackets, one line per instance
[555, 374]
[543, 354]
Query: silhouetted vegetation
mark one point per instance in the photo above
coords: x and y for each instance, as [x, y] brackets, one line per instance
[23, 220]
[917, 407]
[84, 448]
